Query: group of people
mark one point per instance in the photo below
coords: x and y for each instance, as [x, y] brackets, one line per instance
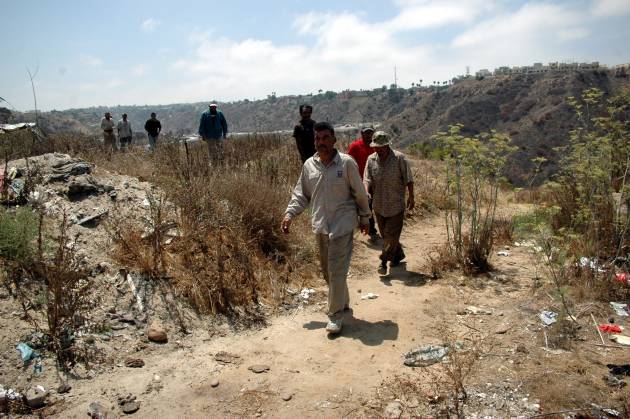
[371, 182]
[370, 186]
[125, 132]
[213, 130]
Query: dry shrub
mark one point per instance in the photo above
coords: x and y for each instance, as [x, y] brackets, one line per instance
[227, 211]
[441, 259]
[503, 230]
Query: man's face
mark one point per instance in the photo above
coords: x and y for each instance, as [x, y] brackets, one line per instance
[306, 113]
[367, 137]
[382, 151]
[124, 117]
[324, 141]
[108, 115]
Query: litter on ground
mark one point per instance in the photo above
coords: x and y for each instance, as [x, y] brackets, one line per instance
[424, 356]
[620, 309]
[369, 296]
[306, 293]
[548, 317]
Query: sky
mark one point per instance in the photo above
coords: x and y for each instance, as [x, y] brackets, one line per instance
[85, 53]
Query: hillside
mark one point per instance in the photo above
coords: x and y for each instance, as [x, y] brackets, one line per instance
[531, 108]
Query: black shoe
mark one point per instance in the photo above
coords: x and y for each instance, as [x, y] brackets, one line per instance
[382, 268]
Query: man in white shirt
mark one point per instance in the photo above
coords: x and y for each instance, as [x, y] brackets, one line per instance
[107, 125]
[124, 132]
[330, 182]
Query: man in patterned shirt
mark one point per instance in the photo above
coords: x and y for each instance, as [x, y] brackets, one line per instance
[387, 174]
[330, 183]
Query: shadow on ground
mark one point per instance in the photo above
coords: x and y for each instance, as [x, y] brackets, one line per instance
[409, 278]
[369, 333]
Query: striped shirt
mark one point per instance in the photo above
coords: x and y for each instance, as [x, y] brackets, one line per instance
[387, 181]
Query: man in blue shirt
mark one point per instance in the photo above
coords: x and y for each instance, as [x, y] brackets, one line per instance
[213, 129]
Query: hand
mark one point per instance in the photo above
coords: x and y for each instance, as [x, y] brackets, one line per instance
[286, 223]
[411, 202]
[365, 228]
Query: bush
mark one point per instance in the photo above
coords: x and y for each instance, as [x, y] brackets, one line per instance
[473, 175]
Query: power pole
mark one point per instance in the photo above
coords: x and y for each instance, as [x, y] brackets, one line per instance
[395, 78]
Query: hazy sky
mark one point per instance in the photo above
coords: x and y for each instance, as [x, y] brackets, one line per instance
[157, 52]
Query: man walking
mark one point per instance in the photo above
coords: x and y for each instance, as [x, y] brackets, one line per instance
[107, 125]
[331, 184]
[213, 129]
[387, 174]
[124, 132]
[360, 150]
[304, 134]
[153, 128]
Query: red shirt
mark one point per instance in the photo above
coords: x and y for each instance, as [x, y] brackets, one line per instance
[360, 152]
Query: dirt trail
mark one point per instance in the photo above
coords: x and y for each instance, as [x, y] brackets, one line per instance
[316, 370]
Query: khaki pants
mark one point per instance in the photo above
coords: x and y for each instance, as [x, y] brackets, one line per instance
[390, 228]
[109, 139]
[334, 258]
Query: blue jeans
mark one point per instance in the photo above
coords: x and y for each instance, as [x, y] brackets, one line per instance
[152, 141]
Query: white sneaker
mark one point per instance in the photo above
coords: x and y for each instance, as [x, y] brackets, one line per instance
[333, 327]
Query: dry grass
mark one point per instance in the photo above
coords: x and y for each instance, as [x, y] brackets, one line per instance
[229, 254]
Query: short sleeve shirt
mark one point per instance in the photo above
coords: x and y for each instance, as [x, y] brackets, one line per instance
[360, 152]
[388, 181]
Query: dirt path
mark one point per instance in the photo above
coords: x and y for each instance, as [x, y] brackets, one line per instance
[319, 372]
[341, 376]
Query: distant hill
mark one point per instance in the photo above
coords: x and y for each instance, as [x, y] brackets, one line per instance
[530, 107]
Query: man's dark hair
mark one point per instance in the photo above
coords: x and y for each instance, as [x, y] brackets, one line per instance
[304, 106]
[322, 126]
[153, 114]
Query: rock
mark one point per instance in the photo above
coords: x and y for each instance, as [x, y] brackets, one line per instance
[36, 397]
[214, 382]
[223, 357]
[130, 407]
[393, 410]
[259, 368]
[89, 340]
[81, 186]
[157, 333]
[91, 220]
[503, 329]
[287, 396]
[127, 318]
[134, 362]
[64, 388]
[97, 411]
[520, 348]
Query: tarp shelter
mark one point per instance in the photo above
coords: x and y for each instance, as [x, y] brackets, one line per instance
[16, 127]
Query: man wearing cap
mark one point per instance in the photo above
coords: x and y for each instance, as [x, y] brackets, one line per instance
[107, 125]
[360, 150]
[213, 129]
[304, 134]
[153, 128]
[331, 184]
[124, 132]
[387, 174]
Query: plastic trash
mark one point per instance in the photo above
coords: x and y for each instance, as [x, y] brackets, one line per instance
[590, 263]
[623, 277]
[548, 317]
[369, 296]
[306, 293]
[477, 311]
[621, 339]
[503, 253]
[424, 356]
[26, 352]
[610, 328]
[620, 309]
